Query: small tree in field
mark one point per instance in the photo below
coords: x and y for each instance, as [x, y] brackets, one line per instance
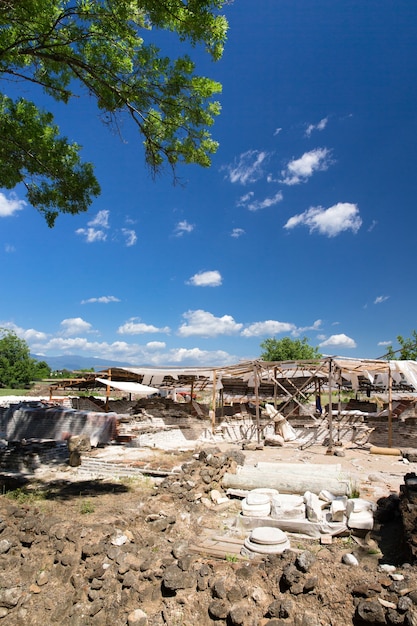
[288, 349]
[407, 351]
[17, 368]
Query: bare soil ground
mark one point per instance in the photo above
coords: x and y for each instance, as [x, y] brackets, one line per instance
[83, 552]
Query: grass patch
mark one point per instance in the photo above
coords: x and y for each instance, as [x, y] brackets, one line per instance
[26, 496]
[15, 392]
[87, 507]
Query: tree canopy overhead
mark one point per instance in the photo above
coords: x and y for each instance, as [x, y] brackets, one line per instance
[101, 46]
[287, 349]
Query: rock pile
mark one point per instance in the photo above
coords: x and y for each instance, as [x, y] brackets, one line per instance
[202, 476]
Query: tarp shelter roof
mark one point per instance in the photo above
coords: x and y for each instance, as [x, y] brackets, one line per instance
[127, 387]
[289, 374]
[285, 376]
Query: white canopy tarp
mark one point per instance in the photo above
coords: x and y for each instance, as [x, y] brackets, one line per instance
[136, 388]
[408, 369]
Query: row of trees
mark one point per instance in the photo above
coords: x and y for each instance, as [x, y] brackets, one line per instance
[17, 368]
[288, 349]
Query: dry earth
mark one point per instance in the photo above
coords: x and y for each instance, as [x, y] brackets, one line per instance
[82, 552]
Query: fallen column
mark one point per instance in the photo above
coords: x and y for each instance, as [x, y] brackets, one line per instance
[286, 480]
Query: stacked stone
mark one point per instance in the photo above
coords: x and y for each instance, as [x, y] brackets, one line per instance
[408, 510]
[203, 475]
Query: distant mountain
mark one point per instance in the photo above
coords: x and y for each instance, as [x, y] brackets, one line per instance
[75, 362]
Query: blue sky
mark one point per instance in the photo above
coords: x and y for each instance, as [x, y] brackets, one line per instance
[305, 225]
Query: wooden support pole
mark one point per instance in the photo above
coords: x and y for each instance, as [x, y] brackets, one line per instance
[213, 404]
[389, 406]
[330, 415]
[275, 388]
[255, 373]
[108, 392]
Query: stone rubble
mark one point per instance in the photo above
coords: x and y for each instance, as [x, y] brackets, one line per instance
[133, 565]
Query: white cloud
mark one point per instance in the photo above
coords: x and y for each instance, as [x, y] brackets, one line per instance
[380, 299]
[75, 325]
[153, 352]
[10, 205]
[300, 170]
[277, 131]
[183, 227]
[237, 232]
[302, 329]
[8, 248]
[384, 343]
[268, 327]
[338, 341]
[273, 327]
[101, 300]
[156, 345]
[28, 334]
[91, 234]
[330, 222]
[135, 327]
[267, 202]
[196, 356]
[94, 234]
[206, 279]
[249, 167]
[130, 237]
[243, 200]
[319, 126]
[67, 345]
[206, 324]
[101, 219]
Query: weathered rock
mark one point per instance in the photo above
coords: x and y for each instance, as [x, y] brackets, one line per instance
[310, 584]
[137, 618]
[307, 618]
[370, 612]
[10, 597]
[350, 559]
[411, 617]
[238, 615]
[218, 609]
[180, 549]
[305, 561]
[290, 576]
[394, 618]
[235, 594]
[42, 578]
[219, 589]
[5, 546]
[174, 578]
[404, 604]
